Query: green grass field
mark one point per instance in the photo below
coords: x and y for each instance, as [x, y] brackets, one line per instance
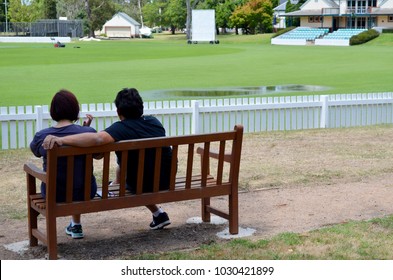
[95, 71]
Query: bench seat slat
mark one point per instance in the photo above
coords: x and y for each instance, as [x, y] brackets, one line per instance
[98, 205]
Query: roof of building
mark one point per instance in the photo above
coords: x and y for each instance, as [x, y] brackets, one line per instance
[281, 7]
[305, 13]
[128, 18]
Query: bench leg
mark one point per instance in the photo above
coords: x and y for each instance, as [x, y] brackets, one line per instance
[205, 214]
[51, 237]
[32, 225]
[233, 213]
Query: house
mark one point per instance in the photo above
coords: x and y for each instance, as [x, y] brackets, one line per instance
[121, 26]
[336, 14]
[278, 18]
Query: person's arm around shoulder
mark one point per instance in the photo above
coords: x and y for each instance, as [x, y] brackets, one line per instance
[79, 140]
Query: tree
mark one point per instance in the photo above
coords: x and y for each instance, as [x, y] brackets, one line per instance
[224, 11]
[2, 12]
[97, 13]
[175, 14]
[20, 12]
[153, 13]
[49, 9]
[131, 7]
[254, 15]
[190, 4]
[72, 9]
[94, 12]
[290, 21]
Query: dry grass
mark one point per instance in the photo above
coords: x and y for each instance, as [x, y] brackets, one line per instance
[283, 159]
[270, 159]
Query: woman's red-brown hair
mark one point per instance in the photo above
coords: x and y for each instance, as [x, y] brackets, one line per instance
[64, 106]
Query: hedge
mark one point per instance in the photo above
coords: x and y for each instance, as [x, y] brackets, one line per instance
[363, 37]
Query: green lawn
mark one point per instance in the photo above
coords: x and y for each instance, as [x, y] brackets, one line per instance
[95, 71]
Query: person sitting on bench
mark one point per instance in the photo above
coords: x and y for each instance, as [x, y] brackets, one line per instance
[64, 109]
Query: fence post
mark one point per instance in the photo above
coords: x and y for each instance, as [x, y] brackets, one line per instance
[39, 118]
[324, 123]
[195, 117]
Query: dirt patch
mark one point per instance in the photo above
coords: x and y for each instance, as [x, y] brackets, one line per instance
[290, 182]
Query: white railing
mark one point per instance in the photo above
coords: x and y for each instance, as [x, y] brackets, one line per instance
[19, 124]
[330, 11]
[358, 10]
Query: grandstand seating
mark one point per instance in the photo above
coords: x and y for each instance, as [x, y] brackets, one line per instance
[305, 33]
[317, 36]
[343, 34]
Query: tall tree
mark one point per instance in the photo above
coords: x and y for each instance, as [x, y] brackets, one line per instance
[175, 15]
[223, 12]
[131, 8]
[72, 9]
[19, 11]
[97, 13]
[49, 9]
[152, 12]
[2, 11]
[291, 21]
[253, 16]
[190, 4]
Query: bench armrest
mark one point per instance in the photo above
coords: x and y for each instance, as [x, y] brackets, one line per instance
[34, 171]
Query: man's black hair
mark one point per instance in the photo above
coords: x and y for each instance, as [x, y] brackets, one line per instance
[129, 103]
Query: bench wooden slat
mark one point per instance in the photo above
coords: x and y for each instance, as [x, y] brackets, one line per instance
[220, 167]
[64, 209]
[190, 161]
[205, 172]
[141, 167]
[88, 174]
[123, 172]
[70, 179]
[205, 168]
[148, 143]
[172, 181]
[105, 175]
[157, 169]
[38, 203]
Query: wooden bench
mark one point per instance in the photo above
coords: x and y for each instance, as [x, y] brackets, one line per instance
[216, 175]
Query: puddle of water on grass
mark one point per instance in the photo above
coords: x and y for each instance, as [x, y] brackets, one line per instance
[228, 92]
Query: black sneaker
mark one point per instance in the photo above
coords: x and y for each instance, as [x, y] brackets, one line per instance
[74, 231]
[161, 221]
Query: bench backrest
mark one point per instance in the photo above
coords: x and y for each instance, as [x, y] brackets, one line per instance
[226, 168]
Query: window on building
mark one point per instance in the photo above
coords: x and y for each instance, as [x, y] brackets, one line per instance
[390, 18]
[351, 3]
[314, 19]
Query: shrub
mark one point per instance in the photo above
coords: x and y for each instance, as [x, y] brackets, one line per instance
[282, 31]
[363, 37]
[387, 30]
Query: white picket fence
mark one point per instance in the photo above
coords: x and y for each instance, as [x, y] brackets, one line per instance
[19, 124]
